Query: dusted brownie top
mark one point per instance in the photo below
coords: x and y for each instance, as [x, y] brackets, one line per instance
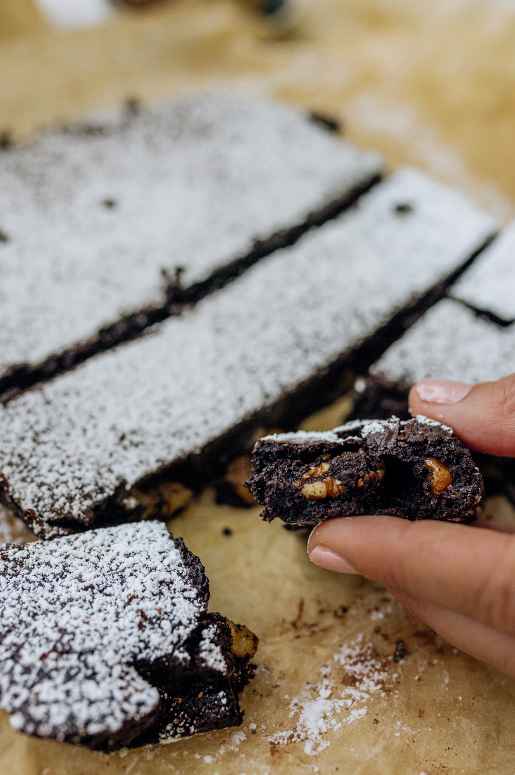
[95, 219]
[78, 614]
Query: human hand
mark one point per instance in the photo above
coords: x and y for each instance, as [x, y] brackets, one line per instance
[458, 579]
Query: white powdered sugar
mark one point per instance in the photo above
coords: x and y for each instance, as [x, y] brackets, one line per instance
[89, 220]
[210, 652]
[450, 342]
[126, 413]
[77, 613]
[326, 707]
[490, 282]
[306, 437]
[366, 427]
[379, 426]
[432, 423]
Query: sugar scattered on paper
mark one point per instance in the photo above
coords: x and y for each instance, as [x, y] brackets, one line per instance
[324, 707]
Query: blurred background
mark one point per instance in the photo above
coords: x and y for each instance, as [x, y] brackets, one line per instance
[430, 84]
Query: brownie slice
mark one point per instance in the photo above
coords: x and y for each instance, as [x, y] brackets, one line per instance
[264, 351]
[105, 640]
[449, 342]
[100, 223]
[415, 469]
[488, 285]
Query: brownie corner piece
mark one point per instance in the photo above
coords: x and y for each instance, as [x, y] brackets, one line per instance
[415, 469]
[105, 640]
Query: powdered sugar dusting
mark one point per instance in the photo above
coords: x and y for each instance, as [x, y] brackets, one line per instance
[379, 426]
[78, 612]
[303, 437]
[366, 427]
[210, 652]
[432, 423]
[126, 413]
[326, 707]
[490, 281]
[92, 218]
[450, 342]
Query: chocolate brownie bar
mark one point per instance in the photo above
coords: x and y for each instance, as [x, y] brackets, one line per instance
[415, 469]
[264, 349]
[105, 640]
[101, 221]
[449, 342]
[489, 284]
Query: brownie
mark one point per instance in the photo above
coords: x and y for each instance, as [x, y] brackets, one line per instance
[488, 285]
[449, 342]
[416, 469]
[379, 399]
[105, 640]
[103, 225]
[264, 351]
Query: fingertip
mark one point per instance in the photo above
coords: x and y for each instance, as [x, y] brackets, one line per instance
[329, 541]
[329, 533]
[326, 558]
[313, 538]
[482, 415]
[439, 392]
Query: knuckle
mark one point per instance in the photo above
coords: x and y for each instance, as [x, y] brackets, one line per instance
[494, 600]
[507, 397]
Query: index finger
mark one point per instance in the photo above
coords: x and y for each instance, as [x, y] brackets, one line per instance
[458, 567]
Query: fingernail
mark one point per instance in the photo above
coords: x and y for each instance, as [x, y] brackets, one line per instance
[325, 558]
[441, 391]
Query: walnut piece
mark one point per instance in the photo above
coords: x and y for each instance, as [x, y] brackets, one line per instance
[328, 487]
[163, 501]
[238, 471]
[440, 477]
[244, 642]
[319, 470]
[370, 476]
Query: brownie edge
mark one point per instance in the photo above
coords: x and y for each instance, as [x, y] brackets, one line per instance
[106, 641]
[414, 469]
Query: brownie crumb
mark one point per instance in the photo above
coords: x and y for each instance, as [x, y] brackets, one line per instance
[331, 123]
[404, 208]
[400, 651]
[6, 140]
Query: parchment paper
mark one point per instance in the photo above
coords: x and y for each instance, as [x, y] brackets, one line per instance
[425, 83]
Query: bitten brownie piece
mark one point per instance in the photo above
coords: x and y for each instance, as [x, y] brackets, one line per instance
[415, 469]
[105, 640]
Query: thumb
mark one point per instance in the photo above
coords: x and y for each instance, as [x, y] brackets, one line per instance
[482, 416]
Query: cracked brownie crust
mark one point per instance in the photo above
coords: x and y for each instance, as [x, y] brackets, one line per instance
[416, 469]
